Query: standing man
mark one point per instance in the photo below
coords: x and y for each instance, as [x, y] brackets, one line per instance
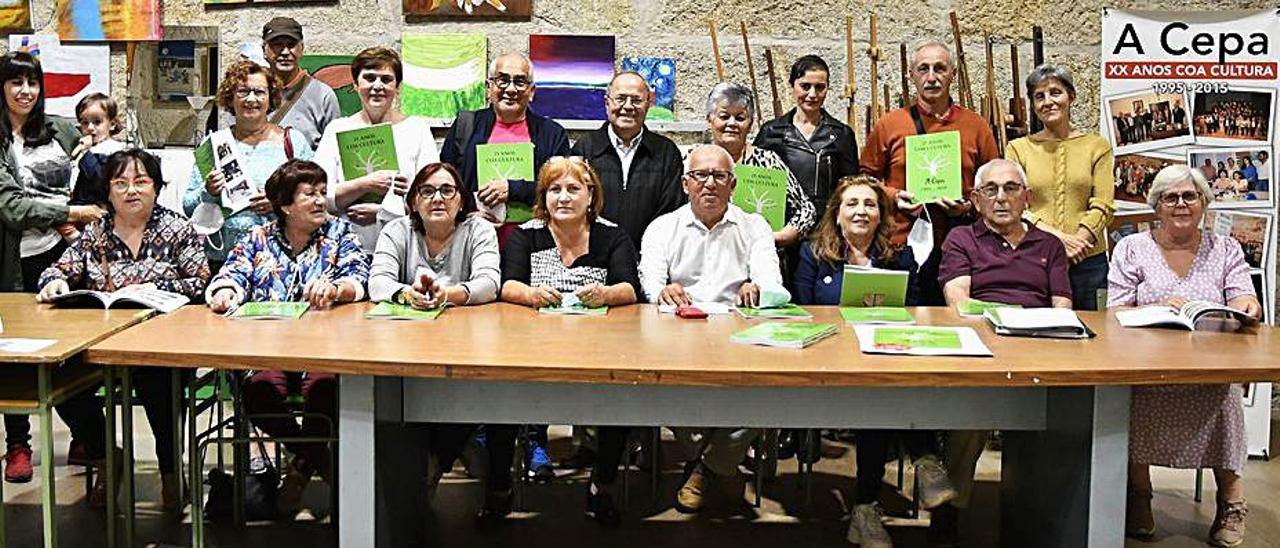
[1264, 171]
[307, 105]
[885, 156]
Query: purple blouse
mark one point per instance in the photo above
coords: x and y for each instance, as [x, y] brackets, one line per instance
[1140, 276]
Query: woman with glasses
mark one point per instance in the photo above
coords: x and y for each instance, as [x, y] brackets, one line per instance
[138, 244]
[1071, 179]
[376, 196]
[1184, 426]
[250, 92]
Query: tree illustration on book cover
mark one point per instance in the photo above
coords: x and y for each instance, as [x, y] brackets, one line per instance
[366, 150]
[933, 166]
[762, 191]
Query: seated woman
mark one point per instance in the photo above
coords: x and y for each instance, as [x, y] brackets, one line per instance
[565, 254]
[856, 229]
[1184, 426]
[304, 255]
[138, 244]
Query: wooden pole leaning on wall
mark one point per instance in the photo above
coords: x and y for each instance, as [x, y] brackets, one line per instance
[965, 97]
[850, 85]
[751, 69]
[715, 51]
[1037, 59]
[991, 104]
[773, 82]
[873, 54]
[906, 70]
[1017, 104]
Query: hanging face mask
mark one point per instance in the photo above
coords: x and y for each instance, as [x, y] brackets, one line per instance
[921, 237]
[207, 219]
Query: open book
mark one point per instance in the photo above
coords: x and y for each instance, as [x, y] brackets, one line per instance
[920, 341]
[1192, 312]
[785, 334]
[867, 286]
[1056, 323]
[163, 301]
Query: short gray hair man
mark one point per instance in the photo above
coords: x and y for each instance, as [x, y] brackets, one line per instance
[932, 43]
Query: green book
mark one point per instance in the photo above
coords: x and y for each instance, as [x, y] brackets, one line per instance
[366, 150]
[933, 166]
[393, 311]
[575, 309]
[865, 286]
[764, 191]
[785, 334]
[876, 315]
[974, 307]
[917, 337]
[786, 311]
[271, 310]
[204, 158]
[511, 162]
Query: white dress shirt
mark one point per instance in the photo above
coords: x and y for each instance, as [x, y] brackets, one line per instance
[625, 153]
[710, 263]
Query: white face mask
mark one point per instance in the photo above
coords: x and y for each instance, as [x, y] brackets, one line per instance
[207, 219]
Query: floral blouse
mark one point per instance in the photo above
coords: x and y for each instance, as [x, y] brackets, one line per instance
[171, 256]
[263, 267]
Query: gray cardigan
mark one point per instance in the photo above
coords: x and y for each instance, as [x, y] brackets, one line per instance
[471, 259]
[18, 212]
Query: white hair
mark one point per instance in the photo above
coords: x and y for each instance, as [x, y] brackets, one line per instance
[717, 149]
[982, 170]
[933, 43]
[731, 94]
[493, 65]
[1175, 175]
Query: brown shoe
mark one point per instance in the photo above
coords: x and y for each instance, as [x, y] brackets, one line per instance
[692, 495]
[1139, 522]
[1228, 526]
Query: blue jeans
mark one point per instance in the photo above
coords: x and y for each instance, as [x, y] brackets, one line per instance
[1087, 278]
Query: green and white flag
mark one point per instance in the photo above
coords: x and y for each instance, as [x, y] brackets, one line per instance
[443, 74]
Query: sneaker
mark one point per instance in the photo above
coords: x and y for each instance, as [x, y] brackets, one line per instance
[866, 529]
[600, 507]
[77, 455]
[934, 486]
[1228, 526]
[538, 464]
[692, 495]
[17, 464]
[1139, 522]
[944, 526]
[289, 497]
[497, 506]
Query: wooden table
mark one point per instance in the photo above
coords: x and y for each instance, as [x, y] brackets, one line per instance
[1062, 403]
[32, 383]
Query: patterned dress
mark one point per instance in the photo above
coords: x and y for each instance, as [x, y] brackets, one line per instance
[171, 256]
[1183, 426]
[263, 267]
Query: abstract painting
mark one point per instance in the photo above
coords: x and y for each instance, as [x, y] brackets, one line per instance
[443, 74]
[572, 73]
[334, 71]
[487, 9]
[660, 72]
[15, 15]
[94, 20]
[70, 71]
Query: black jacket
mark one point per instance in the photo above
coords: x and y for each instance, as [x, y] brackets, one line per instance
[818, 162]
[653, 184]
[549, 139]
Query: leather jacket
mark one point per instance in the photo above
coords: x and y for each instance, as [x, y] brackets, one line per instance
[818, 162]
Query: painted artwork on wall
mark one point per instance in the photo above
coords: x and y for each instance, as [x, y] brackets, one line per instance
[443, 73]
[93, 20]
[660, 72]
[70, 71]
[335, 71]
[488, 9]
[15, 15]
[572, 73]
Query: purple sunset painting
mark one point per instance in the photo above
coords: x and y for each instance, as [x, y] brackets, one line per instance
[572, 73]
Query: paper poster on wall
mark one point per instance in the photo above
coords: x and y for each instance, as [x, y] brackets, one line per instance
[15, 15]
[443, 73]
[660, 73]
[479, 9]
[70, 71]
[335, 72]
[95, 20]
[572, 73]
[176, 70]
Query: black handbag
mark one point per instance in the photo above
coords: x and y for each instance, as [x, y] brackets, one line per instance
[261, 487]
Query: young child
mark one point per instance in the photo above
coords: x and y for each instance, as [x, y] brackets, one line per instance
[98, 117]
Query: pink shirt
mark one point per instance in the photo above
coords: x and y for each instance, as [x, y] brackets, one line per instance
[509, 133]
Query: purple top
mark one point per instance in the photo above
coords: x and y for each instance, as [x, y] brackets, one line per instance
[1029, 275]
[1140, 276]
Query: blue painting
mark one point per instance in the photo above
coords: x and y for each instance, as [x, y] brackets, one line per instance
[572, 73]
[660, 72]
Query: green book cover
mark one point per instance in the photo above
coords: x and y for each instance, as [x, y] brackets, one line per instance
[876, 314]
[764, 191]
[204, 158]
[271, 310]
[933, 166]
[511, 162]
[787, 334]
[917, 337]
[974, 307]
[576, 309]
[873, 287]
[393, 311]
[788, 310]
[366, 150]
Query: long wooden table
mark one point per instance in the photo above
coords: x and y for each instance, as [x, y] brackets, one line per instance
[32, 383]
[1062, 403]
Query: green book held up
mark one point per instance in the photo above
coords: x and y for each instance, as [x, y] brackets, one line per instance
[366, 150]
[393, 311]
[271, 310]
[786, 311]
[933, 166]
[764, 191]
[877, 315]
[974, 307]
[510, 162]
[865, 286]
[785, 334]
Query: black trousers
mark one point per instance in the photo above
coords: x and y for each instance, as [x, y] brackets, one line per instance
[873, 450]
[17, 428]
[83, 415]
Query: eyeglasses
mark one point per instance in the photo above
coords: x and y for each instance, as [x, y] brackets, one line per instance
[703, 176]
[624, 100]
[123, 185]
[446, 192]
[1010, 189]
[1172, 200]
[244, 93]
[504, 82]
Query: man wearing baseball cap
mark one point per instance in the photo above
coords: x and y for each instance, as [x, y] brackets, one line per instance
[307, 105]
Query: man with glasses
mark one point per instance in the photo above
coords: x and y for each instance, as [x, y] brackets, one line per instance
[707, 252]
[307, 105]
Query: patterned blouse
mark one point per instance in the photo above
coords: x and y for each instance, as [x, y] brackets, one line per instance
[800, 213]
[171, 256]
[531, 257]
[263, 267]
